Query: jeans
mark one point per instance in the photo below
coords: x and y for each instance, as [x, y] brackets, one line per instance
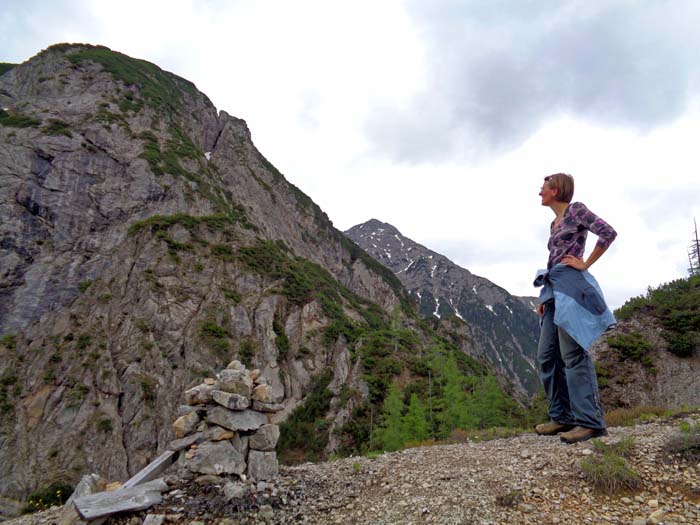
[568, 376]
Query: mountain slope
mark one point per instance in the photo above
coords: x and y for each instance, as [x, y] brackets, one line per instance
[504, 331]
[145, 242]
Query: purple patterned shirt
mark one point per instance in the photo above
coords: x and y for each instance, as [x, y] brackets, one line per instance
[569, 237]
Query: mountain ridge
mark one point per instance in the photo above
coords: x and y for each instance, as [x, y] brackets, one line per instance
[442, 289]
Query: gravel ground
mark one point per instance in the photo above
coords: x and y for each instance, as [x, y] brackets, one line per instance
[520, 480]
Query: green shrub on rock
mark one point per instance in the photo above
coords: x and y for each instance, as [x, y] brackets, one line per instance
[54, 494]
[682, 345]
[632, 346]
[677, 307]
[17, 120]
[58, 127]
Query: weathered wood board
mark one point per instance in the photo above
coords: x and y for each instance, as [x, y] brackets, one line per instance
[125, 499]
[154, 469]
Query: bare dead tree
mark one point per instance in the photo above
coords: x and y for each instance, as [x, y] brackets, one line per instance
[694, 253]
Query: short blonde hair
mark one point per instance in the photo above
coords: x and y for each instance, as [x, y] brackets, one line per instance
[563, 183]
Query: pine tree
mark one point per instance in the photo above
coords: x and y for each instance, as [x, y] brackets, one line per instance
[390, 434]
[456, 410]
[415, 426]
[491, 407]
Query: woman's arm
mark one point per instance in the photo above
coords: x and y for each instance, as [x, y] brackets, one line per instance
[580, 264]
[594, 224]
[606, 235]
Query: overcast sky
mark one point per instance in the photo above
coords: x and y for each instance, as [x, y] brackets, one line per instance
[443, 117]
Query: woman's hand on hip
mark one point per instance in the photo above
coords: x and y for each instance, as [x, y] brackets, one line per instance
[574, 262]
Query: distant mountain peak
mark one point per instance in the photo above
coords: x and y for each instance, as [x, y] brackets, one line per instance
[504, 327]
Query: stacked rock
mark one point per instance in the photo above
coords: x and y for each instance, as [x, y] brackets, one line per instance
[224, 428]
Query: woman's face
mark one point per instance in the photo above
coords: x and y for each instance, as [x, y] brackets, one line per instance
[547, 194]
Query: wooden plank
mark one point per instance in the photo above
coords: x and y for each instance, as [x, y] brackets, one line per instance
[154, 469]
[122, 500]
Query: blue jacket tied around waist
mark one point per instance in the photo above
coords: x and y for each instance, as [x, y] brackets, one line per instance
[579, 305]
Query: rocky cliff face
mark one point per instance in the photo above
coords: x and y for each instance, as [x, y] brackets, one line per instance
[145, 242]
[647, 376]
[497, 327]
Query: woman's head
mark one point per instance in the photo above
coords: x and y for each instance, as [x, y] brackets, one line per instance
[561, 185]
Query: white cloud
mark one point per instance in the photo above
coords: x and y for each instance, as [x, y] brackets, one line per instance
[441, 120]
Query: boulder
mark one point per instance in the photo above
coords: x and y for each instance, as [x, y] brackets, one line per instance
[263, 393]
[242, 420]
[235, 382]
[199, 395]
[267, 407]
[262, 465]
[231, 401]
[234, 490]
[240, 443]
[216, 433]
[265, 438]
[235, 365]
[217, 458]
[185, 424]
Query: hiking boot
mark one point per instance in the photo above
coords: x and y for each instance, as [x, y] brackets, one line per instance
[578, 434]
[552, 428]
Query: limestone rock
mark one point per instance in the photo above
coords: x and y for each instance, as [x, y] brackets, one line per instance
[262, 465]
[208, 479]
[185, 424]
[183, 410]
[234, 490]
[216, 433]
[89, 484]
[235, 365]
[235, 382]
[241, 443]
[183, 443]
[267, 407]
[656, 516]
[217, 458]
[263, 393]
[231, 401]
[154, 519]
[242, 420]
[265, 438]
[199, 395]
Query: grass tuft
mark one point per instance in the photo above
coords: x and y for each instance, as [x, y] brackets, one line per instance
[685, 442]
[17, 120]
[609, 473]
[625, 417]
[510, 499]
[58, 127]
[608, 470]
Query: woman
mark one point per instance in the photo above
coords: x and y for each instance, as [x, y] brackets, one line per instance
[573, 314]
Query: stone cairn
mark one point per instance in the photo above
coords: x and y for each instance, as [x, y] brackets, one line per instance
[224, 429]
[223, 436]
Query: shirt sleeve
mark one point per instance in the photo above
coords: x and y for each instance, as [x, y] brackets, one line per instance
[582, 215]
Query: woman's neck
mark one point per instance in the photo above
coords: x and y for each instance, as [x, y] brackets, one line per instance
[559, 208]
